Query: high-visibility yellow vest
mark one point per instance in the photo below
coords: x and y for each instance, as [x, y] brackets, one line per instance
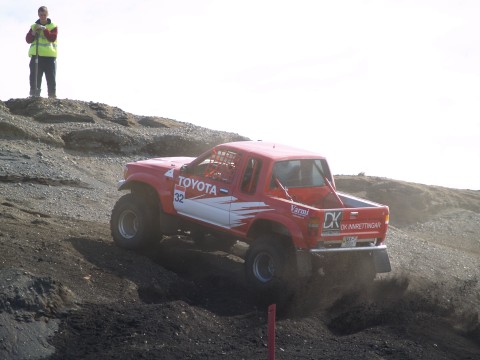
[45, 47]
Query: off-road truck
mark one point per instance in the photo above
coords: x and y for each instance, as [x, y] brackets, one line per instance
[279, 200]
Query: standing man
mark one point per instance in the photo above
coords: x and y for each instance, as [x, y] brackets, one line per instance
[43, 53]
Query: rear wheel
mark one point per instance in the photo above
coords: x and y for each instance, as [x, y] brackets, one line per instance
[132, 222]
[269, 266]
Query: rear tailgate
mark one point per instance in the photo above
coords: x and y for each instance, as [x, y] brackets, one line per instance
[361, 224]
[354, 230]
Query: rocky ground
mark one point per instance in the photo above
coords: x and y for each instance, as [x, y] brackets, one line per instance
[68, 293]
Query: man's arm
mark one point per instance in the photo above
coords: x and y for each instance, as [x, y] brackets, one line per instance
[30, 37]
[51, 35]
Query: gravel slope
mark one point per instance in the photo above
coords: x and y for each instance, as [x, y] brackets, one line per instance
[69, 293]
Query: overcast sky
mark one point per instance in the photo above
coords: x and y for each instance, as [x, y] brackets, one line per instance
[390, 88]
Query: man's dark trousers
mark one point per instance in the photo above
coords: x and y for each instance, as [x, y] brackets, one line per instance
[47, 65]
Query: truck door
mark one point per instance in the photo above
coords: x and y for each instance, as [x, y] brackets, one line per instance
[246, 205]
[205, 192]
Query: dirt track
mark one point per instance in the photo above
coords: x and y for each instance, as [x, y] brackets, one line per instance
[69, 293]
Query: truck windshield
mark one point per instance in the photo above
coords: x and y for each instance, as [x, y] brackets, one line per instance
[300, 173]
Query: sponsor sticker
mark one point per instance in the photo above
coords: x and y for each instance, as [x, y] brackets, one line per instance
[331, 223]
[178, 195]
[361, 226]
[299, 211]
[198, 185]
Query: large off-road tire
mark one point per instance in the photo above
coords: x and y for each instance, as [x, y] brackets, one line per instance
[132, 222]
[269, 267]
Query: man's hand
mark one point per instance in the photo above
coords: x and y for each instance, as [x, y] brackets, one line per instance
[39, 27]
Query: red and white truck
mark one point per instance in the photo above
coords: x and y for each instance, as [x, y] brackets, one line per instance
[279, 200]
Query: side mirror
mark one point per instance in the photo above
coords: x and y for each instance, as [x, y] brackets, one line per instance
[185, 169]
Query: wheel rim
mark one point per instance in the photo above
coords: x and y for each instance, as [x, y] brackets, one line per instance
[264, 267]
[128, 224]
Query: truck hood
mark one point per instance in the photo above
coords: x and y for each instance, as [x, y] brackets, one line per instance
[165, 162]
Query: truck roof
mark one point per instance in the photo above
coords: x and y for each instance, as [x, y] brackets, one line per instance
[272, 150]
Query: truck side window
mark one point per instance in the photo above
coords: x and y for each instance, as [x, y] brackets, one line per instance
[220, 165]
[250, 176]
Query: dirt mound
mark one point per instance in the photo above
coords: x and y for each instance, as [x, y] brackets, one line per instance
[29, 308]
[99, 128]
[409, 203]
[456, 228]
[98, 140]
[24, 292]
[69, 293]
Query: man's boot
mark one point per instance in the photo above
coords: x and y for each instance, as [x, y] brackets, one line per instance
[35, 92]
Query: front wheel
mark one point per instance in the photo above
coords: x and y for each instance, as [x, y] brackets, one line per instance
[132, 222]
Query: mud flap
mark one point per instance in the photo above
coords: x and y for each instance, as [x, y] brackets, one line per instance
[381, 261]
[304, 263]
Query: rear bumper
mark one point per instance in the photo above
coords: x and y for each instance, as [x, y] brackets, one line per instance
[349, 249]
[378, 254]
